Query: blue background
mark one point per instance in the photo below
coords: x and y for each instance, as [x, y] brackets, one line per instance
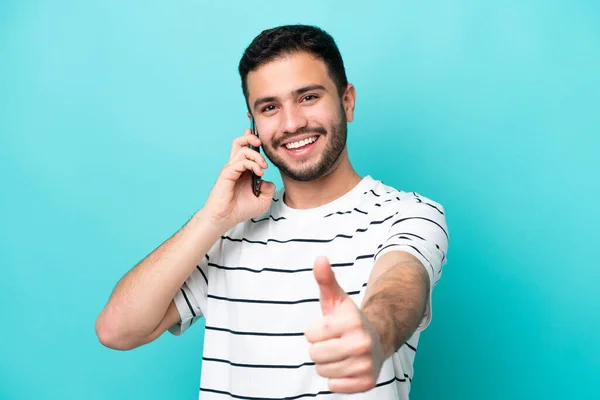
[115, 118]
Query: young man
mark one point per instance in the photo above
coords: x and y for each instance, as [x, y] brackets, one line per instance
[319, 288]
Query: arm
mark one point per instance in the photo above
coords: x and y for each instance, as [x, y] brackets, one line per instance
[141, 306]
[396, 298]
[349, 345]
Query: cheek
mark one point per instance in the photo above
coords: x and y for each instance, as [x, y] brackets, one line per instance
[266, 137]
[266, 131]
[326, 115]
[318, 114]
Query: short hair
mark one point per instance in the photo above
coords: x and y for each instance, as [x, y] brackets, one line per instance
[285, 40]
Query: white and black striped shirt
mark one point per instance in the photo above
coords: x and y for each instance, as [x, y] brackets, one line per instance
[256, 289]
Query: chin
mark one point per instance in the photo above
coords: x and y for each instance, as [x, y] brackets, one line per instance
[308, 174]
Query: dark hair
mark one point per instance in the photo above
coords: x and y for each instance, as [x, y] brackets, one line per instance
[288, 39]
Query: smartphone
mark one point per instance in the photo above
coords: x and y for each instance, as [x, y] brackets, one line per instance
[256, 180]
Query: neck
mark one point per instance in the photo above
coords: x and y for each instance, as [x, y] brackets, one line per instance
[333, 185]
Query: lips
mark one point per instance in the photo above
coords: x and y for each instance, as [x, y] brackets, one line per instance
[301, 148]
[300, 137]
[300, 143]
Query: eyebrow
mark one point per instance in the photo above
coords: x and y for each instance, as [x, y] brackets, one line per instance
[297, 92]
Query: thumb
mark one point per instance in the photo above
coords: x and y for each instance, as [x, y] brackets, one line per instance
[330, 291]
[267, 190]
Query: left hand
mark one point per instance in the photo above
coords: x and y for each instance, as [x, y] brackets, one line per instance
[345, 346]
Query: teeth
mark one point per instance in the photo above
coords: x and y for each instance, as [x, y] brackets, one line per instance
[301, 143]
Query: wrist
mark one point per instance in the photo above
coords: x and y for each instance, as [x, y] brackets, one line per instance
[207, 223]
[382, 331]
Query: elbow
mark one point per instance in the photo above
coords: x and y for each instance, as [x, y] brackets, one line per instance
[110, 335]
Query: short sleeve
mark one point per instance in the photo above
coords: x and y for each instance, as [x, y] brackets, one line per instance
[191, 298]
[420, 229]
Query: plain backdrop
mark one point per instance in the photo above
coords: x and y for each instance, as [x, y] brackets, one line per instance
[116, 116]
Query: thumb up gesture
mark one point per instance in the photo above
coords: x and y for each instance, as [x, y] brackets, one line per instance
[345, 346]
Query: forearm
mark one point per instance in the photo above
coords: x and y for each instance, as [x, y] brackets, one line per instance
[395, 302]
[140, 299]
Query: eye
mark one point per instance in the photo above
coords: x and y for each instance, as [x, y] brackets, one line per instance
[268, 108]
[309, 97]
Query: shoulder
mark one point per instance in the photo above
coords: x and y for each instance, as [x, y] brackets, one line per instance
[392, 199]
[411, 211]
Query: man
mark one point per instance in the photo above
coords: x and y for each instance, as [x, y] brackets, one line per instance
[319, 288]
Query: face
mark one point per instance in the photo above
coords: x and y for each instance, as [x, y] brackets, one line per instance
[299, 115]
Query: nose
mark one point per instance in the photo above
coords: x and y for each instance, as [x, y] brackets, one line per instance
[293, 119]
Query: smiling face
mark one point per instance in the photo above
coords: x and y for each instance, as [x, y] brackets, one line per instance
[299, 115]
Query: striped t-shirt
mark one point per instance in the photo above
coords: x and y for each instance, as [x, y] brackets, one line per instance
[257, 291]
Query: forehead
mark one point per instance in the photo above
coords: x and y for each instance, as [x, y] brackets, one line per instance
[283, 75]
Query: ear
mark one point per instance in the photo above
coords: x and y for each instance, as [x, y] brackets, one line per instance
[249, 114]
[349, 100]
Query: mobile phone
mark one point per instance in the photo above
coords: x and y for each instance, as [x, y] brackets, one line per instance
[256, 180]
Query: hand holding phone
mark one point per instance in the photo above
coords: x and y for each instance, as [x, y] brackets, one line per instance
[230, 202]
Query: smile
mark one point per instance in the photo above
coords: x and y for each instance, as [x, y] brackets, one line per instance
[301, 143]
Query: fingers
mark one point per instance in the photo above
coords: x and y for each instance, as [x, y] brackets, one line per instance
[267, 190]
[341, 347]
[234, 170]
[242, 158]
[349, 367]
[329, 351]
[347, 362]
[248, 139]
[247, 153]
[330, 327]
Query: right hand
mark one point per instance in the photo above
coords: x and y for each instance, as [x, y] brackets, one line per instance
[231, 199]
